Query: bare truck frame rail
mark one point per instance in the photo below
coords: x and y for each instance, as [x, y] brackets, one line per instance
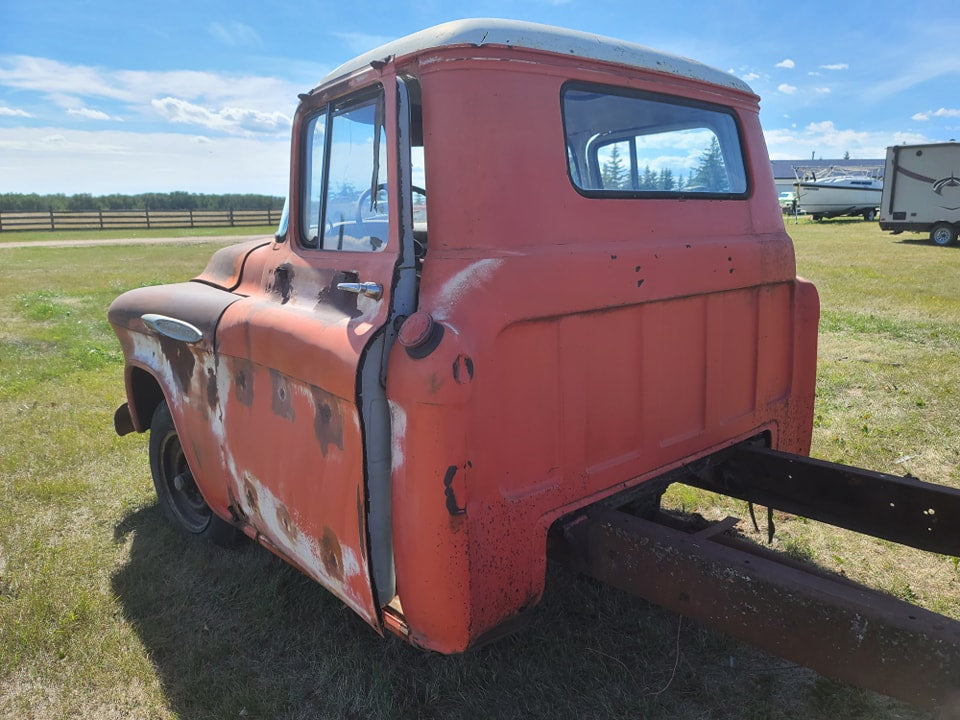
[819, 620]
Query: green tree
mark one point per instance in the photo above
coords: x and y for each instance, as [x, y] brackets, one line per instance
[711, 173]
[665, 181]
[648, 181]
[613, 174]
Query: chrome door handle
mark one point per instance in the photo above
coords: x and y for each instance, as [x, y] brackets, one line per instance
[367, 289]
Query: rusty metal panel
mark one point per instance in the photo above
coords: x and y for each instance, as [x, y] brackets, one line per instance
[833, 626]
[225, 268]
[587, 345]
[198, 304]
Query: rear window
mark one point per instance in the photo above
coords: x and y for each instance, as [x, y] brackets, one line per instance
[623, 143]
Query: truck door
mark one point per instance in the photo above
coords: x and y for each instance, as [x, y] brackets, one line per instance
[300, 376]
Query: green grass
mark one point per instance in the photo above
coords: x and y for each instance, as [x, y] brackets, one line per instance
[106, 611]
[68, 235]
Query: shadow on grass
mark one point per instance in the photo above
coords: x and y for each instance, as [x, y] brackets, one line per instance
[238, 633]
[923, 240]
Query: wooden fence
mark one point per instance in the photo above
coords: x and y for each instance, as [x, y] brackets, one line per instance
[135, 219]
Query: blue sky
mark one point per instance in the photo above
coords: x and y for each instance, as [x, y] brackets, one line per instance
[107, 96]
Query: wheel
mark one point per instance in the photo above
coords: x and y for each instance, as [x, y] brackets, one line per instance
[869, 215]
[943, 234]
[179, 496]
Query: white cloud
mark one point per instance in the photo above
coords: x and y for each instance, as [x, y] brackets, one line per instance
[13, 112]
[786, 89]
[750, 77]
[836, 66]
[235, 34]
[829, 141]
[941, 113]
[52, 160]
[52, 77]
[244, 103]
[786, 63]
[822, 90]
[90, 114]
[233, 120]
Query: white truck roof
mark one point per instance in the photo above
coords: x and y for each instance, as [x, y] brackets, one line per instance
[513, 33]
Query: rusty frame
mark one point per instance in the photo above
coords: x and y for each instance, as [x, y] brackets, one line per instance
[833, 626]
[904, 510]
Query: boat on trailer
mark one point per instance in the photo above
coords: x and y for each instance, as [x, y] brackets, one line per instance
[838, 192]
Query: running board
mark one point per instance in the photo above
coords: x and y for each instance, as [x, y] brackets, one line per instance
[900, 509]
[831, 625]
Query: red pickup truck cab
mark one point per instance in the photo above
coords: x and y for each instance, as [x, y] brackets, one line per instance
[526, 270]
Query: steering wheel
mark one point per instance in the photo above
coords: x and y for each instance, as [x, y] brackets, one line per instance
[365, 197]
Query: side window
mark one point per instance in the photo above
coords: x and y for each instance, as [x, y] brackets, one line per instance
[629, 143]
[315, 146]
[345, 201]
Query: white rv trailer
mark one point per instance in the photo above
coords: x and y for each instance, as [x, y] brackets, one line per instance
[921, 191]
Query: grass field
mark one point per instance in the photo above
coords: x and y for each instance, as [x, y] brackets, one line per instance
[107, 612]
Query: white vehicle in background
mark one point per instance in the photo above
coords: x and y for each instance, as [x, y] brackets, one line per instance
[788, 203]
[922, 191]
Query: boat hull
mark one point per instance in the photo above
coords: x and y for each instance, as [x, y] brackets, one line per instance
[836, 200]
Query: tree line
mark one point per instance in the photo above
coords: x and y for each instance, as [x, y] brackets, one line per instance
[710, 174]
[17, 202]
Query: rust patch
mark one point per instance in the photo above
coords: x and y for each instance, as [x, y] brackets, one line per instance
[463, 369]
[331, 296]
[286, 523]
[330, 554]
[250, 495]
[327, 420]
[281, 403]
[213, 394]
[243, 382]
[181, 361]
[282, 284]
[450, 497]
[236, 509]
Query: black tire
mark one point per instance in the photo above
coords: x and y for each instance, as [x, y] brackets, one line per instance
[869, 215]
[179, 497]
[943, 234]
